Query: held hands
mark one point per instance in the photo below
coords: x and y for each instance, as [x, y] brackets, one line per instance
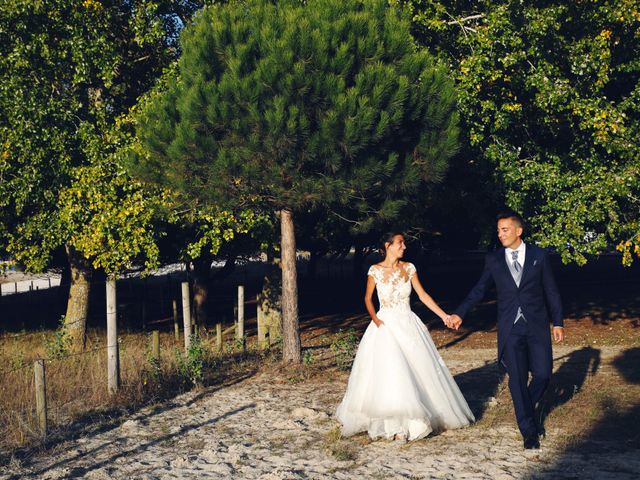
[453, 321]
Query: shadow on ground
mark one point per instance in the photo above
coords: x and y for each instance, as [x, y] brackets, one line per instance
[479, 386]
[221, 375]
[613, 444]
[79, 472]
[568, 379]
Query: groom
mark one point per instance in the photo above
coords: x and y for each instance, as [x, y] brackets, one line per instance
[527, 296]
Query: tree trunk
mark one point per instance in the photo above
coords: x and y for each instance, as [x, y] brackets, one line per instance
[65, 277]
[291, 352]
[201, 277]
[75, 320]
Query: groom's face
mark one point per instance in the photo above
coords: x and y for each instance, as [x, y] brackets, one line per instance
[509, 232]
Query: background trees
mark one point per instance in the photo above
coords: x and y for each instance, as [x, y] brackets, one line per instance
[324, 104]
[549, 98]
[69, 70]
[325, 114]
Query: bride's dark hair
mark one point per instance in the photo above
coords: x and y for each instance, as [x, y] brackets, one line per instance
[387, 238]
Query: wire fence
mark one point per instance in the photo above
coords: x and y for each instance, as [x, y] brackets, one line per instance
[76, 385]
[77, 382]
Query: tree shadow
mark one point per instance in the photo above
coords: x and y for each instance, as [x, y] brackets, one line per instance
[95, 423]
[618, 430]
[81, 471]
[612, 446]
[480, 385]
[569, 378]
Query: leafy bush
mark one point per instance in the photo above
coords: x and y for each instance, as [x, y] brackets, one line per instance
[59, 344]
[307, 357]
[191, 364]
[344, 348]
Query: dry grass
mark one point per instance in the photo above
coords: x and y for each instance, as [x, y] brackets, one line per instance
[340, 449]
[591, 400]
[76, 385]
[604, 410]
[586, 407]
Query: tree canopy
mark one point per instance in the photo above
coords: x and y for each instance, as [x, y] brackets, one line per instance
[300, 105]
[70, 70]
[549, 96]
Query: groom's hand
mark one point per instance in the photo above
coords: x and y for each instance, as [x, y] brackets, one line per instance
[558, 334]
[455, 321]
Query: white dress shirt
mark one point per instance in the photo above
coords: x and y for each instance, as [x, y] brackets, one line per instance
[522, 252]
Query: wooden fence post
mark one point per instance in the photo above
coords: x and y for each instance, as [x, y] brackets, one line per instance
[186, 316]
[176, 327]
[113, 360]
[219, 336]
[155, 344]
[240, 324]
[41, 396]
[262, 334]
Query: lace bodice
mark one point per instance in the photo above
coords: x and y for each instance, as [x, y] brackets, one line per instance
[393, 285]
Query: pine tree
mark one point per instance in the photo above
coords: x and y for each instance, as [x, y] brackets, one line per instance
[298, 105]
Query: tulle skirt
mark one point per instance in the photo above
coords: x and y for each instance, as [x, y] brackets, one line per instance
[399, 384]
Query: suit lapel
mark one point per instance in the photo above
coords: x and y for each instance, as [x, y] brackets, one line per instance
[528, 262]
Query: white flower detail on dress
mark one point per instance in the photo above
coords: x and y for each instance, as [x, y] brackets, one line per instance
[393, 285]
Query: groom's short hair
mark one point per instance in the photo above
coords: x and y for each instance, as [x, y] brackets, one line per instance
[513, 215]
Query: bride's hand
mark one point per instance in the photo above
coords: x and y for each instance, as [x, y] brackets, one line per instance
[447, 321]
[378, 322]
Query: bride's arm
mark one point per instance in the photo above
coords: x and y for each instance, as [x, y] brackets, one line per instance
[427, 300]
[368, 296]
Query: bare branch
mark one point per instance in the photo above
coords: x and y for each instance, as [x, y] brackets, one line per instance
[465, 19]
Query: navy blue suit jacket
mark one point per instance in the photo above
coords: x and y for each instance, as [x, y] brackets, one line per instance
[537, 294]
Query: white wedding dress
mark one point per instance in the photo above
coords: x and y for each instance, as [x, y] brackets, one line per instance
[399, 384]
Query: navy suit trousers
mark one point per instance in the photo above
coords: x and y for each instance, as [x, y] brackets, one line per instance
[524, 353]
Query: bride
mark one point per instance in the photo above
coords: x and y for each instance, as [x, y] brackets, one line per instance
[399, 386]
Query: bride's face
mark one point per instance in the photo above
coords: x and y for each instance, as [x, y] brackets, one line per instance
[396, 248]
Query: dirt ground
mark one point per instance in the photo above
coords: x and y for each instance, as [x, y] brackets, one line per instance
[277, 422]
[273, 422]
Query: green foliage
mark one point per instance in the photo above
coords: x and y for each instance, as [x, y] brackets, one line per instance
[344, 348]
[239, 344]
[307, 357]
[69, 69]
[58, 345]
[191, 364]
[549, 96]
[211, 228]
[153, 371]
[300, 105]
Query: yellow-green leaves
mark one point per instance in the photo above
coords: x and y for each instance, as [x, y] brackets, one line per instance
[109, 217]
[549, 96]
